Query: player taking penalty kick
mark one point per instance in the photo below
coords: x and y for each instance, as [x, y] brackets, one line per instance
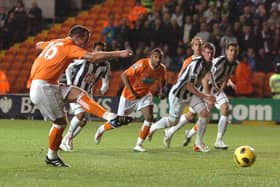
[50, 97]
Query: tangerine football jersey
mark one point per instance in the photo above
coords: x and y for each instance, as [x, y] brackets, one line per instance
[142, 77]
[54, 59]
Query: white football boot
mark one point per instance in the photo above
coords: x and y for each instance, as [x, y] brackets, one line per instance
[139, 148]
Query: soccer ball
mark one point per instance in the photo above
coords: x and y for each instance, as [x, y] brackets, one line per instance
[244, 156]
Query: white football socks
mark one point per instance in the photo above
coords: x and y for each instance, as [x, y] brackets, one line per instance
[77, 131]
[222, 126]
[162, 123]
[170, 131]
[201, 128]
[73, 126]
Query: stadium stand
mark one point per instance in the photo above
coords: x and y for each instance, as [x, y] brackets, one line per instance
[153, 29]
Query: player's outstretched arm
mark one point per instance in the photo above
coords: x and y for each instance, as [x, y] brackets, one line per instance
[100, 56]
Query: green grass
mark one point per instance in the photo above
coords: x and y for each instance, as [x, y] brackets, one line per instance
[113, 163]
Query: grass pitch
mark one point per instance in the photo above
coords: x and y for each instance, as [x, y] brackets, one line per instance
[113, 163]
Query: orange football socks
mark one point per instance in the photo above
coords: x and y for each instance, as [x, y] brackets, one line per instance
[55, 137]
[91, 106]
[107, 126]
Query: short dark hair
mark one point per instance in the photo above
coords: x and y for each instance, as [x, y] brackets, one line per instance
[234, 44]
[157, 50]
[79, 30]
[210, 46]
[99, 44]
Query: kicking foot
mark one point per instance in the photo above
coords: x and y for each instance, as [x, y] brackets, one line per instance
[121, 120]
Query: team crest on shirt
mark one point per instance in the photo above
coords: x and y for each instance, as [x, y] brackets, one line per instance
[148, 80]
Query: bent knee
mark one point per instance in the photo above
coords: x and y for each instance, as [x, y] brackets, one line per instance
[205, 113]
[225, 110]
[190, 116]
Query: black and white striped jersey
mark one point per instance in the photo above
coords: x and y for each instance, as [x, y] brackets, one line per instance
[193, 72]
[222, 69]
[85, 75]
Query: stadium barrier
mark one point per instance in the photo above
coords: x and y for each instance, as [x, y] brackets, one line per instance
[19, 106]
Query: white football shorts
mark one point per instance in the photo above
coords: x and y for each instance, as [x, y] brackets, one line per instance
[177, 106]
[49, 98]
[126, 106]
[221, 98]
[76, 108]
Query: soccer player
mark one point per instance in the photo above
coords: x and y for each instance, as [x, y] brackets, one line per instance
[50, 97]
[85, 75]
[223, 68]
[196, 45]
[138, 80]
[185, 91]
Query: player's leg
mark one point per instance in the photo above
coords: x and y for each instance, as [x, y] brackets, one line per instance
[200, 107]
[176, 107]
[125, 108]
[148, 119]
[79, 96]
[55, 137]
[169, 132]
[76, 125]
[190, 116]
[50, 101]
[222, 126]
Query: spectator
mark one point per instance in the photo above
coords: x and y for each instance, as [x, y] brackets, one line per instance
[210, 12]
[195, 25]
[265, 38]
[248, 39]
[264, 62]
[7, 33]
[187, 29]
[167, 60]
[227, 38]
[109, 33]
[175, 37]
[156, 32]
[247, 14]
[166, 28]
[21, 20]
[35, 18]
[243, 77]
[123, 30]
[178, 59]
[4, 83]
[204, 34]
[252, 59]
[178, 16]
[215, 37]
[274, 82]
[136, 11]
